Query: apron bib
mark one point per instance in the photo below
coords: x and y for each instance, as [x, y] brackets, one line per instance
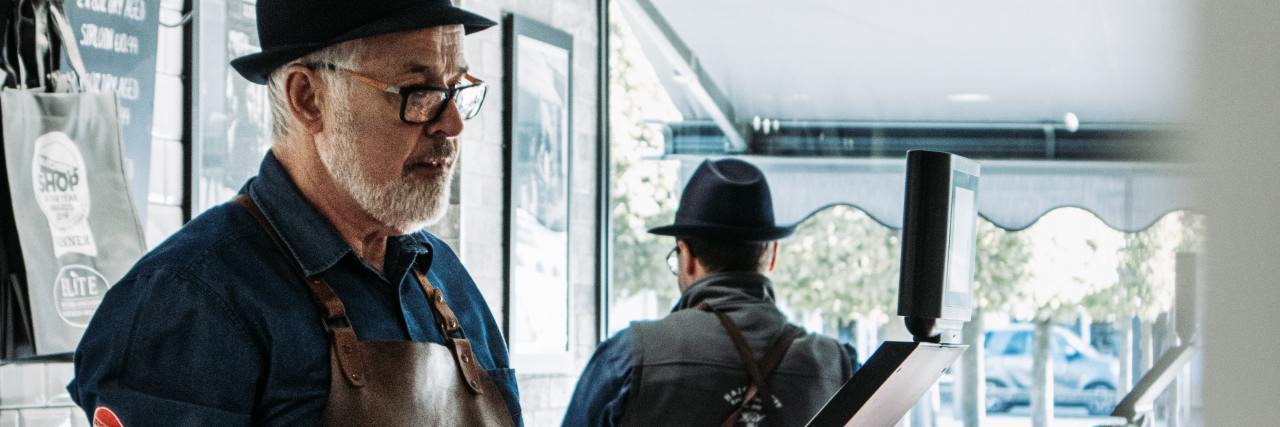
[398, 383]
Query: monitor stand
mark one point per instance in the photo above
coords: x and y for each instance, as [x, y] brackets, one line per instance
[888, 385]
[1136, 405]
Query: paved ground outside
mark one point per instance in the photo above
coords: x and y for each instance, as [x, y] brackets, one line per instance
[1021, 416]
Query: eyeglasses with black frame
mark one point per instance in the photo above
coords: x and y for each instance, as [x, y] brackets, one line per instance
[421, 104]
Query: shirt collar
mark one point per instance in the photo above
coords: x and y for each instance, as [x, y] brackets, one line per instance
[311, 239]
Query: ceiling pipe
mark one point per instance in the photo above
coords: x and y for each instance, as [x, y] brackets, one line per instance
[1031, 141]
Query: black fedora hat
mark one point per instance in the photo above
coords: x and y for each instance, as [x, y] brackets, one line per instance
[726, 199]
[291, 29]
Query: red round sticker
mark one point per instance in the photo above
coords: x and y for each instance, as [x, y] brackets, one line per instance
[103, 417]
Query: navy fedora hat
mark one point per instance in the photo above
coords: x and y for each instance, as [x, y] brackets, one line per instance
[291, 29]
[726, 199]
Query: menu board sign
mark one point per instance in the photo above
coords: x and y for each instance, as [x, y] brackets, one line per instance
[117, 39]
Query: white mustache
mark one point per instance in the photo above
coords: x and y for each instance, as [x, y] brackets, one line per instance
[440, 154]
[435, 162]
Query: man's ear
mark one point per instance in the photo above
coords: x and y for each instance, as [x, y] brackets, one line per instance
[301, 89]
[773, 260]
[690, 265]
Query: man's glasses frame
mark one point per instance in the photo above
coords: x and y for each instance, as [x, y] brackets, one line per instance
[421, 96]
[673, 260]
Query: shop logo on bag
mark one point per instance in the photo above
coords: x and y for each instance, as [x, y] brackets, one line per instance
[61, 188]
[62, 192]
[77, 292]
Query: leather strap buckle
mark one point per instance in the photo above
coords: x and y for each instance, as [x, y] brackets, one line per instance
[466, 359]
[346, 350]
[454, 336]
[334, 323]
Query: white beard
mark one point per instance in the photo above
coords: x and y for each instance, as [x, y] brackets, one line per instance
[409, 203]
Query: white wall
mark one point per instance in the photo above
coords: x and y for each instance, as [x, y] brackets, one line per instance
[1239, 101]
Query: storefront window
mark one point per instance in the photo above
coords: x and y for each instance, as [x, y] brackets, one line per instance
[1077, 234]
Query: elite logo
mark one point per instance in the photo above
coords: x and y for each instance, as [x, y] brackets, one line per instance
[77, 292]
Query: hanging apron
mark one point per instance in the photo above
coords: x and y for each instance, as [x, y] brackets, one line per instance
[758, 373]
[394, 383]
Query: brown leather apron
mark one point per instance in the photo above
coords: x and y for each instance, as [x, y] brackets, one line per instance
[398, 383]
[757, 373]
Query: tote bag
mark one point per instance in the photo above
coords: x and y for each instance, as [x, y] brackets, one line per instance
[72, 213]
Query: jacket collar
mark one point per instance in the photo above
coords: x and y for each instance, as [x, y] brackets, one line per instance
[726, 288]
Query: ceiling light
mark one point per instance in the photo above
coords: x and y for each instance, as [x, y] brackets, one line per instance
[1071, 122]
[968, 97]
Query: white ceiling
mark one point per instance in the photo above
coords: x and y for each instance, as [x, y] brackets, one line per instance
[1112, 61]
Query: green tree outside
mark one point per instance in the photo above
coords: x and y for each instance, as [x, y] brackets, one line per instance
[842, 265]
[643, 193]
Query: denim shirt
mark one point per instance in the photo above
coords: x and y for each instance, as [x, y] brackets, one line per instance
[213, 327]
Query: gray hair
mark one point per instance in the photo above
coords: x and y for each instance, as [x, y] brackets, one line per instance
[344, 55]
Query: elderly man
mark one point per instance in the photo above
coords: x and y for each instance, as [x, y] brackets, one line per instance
[725, 355]
[314, 296]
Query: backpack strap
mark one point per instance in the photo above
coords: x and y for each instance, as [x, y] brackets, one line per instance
[758, 373]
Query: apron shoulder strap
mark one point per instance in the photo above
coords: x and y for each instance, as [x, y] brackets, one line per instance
[335, 319]
[757, 372]
[454, 337]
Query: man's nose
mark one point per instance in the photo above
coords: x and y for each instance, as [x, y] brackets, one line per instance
[449, 124]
